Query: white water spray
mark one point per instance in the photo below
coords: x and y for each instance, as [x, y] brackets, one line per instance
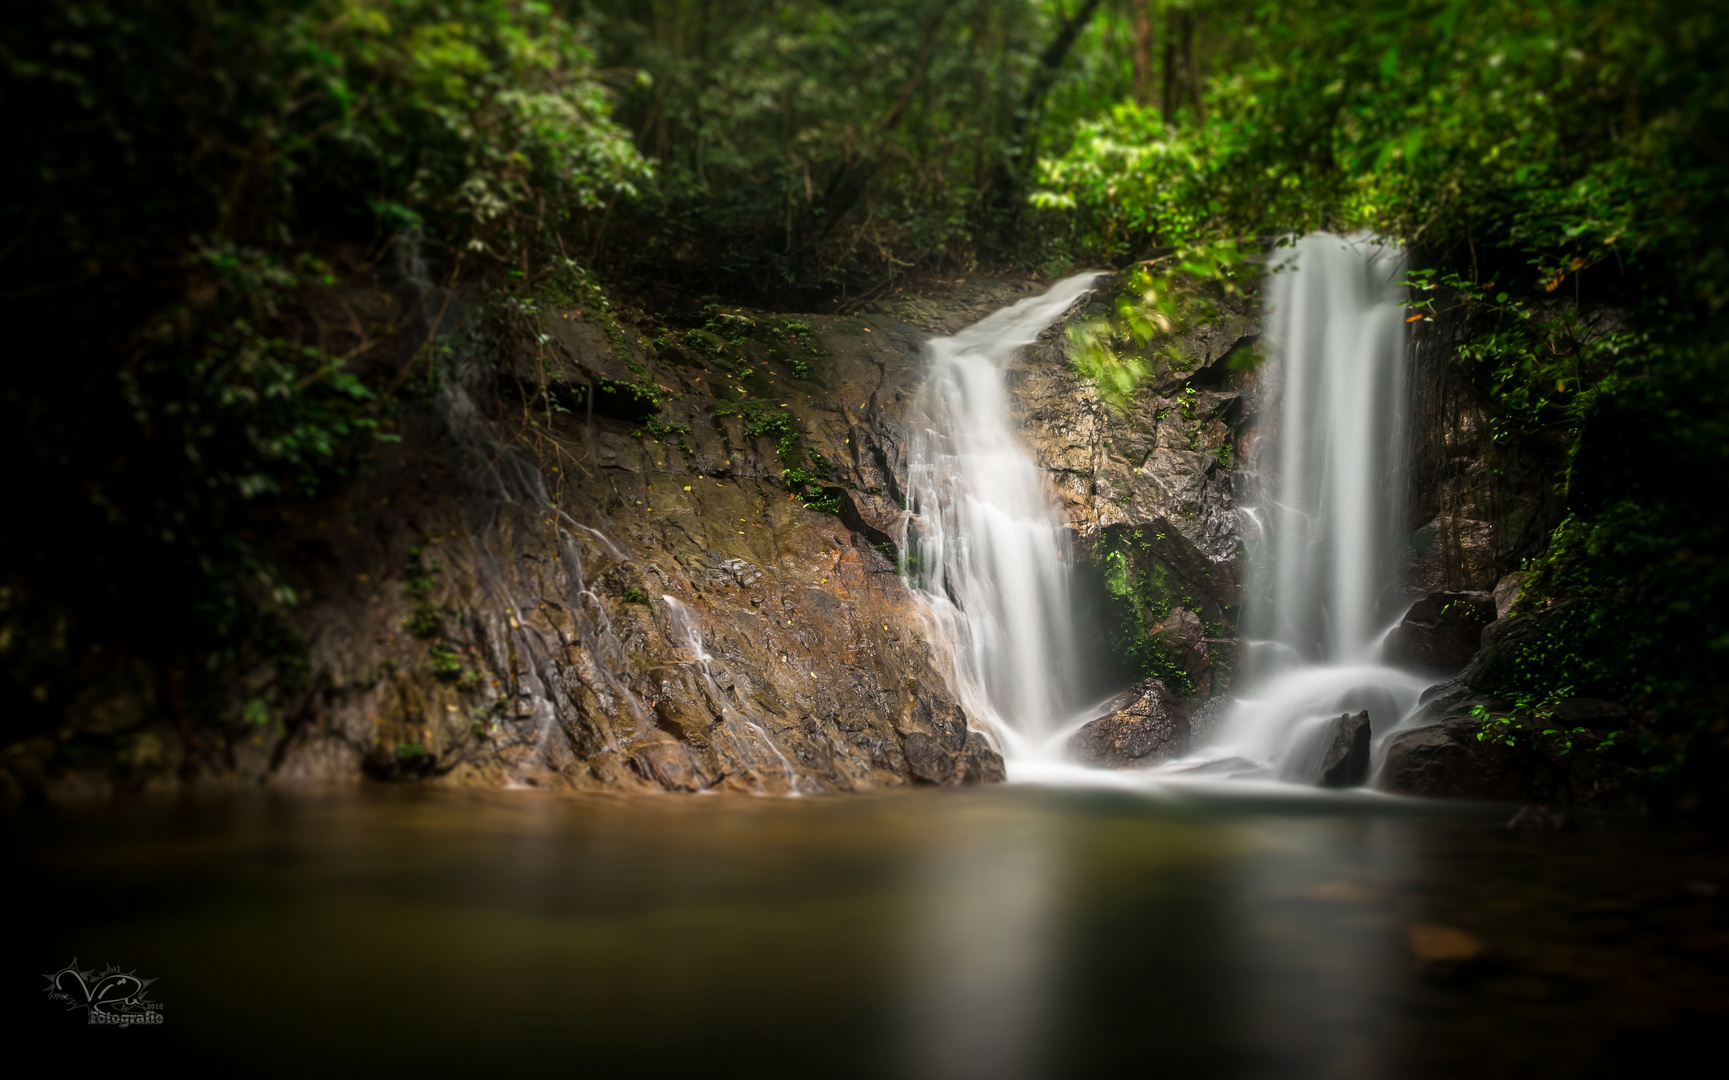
[986, 545]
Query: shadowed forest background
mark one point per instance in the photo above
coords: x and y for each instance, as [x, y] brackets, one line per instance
[195, 194]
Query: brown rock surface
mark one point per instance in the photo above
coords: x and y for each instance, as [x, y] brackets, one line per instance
[1144, 726]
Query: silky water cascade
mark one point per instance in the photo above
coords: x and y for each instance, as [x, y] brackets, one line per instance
[990, 553]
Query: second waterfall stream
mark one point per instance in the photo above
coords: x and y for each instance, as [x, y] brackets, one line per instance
[993, 559]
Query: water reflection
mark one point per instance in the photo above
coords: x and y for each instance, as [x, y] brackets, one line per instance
[1006, 933]
[984, 947]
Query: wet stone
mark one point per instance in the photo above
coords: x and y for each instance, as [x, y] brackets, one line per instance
[1441, 632]
[1145, 726]
[1347, 760]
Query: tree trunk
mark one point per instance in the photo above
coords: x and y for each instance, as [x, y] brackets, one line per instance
[1173, 30]
[1140, 12]
[1190, 19]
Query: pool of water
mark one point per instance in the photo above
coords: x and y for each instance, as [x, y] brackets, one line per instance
[1013, 932]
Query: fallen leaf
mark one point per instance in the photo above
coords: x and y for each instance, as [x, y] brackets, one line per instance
[1339, 892]
[1430, 943]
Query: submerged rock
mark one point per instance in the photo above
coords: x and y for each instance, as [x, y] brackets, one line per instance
[1145, 726]
[1347, 760]
[1441, 632]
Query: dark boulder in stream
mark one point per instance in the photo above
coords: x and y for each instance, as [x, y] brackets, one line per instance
[1441, 632]
[1347, 760]
[1462, 744]
[1144, 726]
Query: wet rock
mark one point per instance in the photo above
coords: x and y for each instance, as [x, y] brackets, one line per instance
[671, 765]
[1441, 632]
[1152, 490]
[1144, 726]
[930, 763]
[1496, 662]
[1463, 744]
[1439, 754]
[1347, 760]
[1184, 640]
[638, 605]
[1448, 552]
[1509, 591]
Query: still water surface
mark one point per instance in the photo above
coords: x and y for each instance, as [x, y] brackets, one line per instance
[1014, 932]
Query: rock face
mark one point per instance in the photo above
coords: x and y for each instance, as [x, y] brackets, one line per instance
[645, 600]
[1509, 591]
[1590, 713]
[1145, 726]
[666, 559]
[1347, 760]
[1441, 632]
[1479, 504]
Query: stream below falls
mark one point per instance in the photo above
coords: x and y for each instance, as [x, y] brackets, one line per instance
[1020, 931]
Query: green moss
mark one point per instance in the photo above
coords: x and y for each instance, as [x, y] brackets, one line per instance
[447, 665]
[1142, 591]
[424, 622]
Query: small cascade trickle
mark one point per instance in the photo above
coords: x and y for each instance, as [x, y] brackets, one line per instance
[498, 474]
[684, 626]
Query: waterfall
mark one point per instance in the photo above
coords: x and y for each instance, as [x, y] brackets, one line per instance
[1322, 571]
[989, 553]
[1336, 326]
[985, 543]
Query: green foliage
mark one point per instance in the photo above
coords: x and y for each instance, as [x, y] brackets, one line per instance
[1156, 302]
[823, 500]
[186, 184]
[635, 595]
[766, 418]
[1558, 171]
[1577, 131]
[807, 143]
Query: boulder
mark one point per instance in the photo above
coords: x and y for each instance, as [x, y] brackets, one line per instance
[1144, 726]
[1446, 751]
[1441, 632]
[1347, 760]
